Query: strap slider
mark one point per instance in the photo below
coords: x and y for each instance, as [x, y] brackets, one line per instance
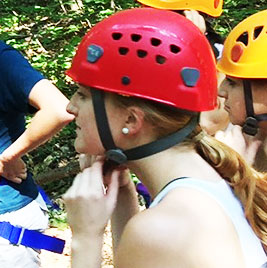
[15, 233]
[20, 236]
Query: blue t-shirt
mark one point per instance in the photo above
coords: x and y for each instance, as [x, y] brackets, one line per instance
[17, 78]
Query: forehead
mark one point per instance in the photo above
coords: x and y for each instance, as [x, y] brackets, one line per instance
[236, 80]
[84, 89]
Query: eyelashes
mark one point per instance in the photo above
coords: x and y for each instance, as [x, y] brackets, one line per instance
[230, 81]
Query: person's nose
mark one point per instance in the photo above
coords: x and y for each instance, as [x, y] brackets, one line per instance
[223, 92]
[72, 109]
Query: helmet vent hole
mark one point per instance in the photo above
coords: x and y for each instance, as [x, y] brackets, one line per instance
[155, 42]
[160, 59]
[123, 50]
[257, 31]
[136, 37]
[141, 53]
[174, 49]
[116, 36]
[243, 38]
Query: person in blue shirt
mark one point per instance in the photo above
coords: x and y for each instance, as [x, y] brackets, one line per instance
[23, 90]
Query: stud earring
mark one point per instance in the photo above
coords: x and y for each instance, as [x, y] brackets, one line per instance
[125, 130]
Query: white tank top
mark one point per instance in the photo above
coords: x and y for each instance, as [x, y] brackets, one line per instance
[253, 252]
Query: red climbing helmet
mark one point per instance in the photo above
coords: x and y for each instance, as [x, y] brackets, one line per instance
[148, 53]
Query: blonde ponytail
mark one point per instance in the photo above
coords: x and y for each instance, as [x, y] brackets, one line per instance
[249, 185]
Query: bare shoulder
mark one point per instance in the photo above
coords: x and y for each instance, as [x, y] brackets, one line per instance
[184, 227]
[146, 242]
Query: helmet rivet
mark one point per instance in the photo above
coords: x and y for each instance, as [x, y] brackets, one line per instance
[126, 80]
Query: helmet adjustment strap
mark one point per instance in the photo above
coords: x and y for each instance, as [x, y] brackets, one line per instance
[115, 155]
[251, 123]
[163, 143]
[101, 119]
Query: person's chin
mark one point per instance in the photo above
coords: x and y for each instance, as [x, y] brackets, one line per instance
[235, 121]
[78, 147]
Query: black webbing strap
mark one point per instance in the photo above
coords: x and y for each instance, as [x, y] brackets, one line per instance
[251, 123]
[116, 155]
[163, 143]
[261, 117]
[250, 126]
[98, 98]
[248, 98]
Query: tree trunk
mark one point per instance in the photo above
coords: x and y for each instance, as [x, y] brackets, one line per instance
[69, 170]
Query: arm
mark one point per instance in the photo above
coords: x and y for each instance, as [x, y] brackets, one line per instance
[49, 119]
[127, 195]
[89, 208]
[127, 207]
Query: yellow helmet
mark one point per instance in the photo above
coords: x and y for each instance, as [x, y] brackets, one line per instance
[210, 7]
[245, 49]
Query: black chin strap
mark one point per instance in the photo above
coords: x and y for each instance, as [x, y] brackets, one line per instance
[251, 123]
[115, 155]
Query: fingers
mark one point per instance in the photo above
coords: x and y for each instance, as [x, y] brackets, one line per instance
[246, 146]
[96, 176]
[87, 201]
[22, 176]
[22, 173]
[197, 19]
[85, 161]
[13, 170]
[89, 181]
[15, 179]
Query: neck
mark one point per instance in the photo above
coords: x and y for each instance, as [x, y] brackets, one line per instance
[262, 130]
[180, 161]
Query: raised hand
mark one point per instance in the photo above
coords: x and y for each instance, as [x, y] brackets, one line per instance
[89, 203]
[13, 170]
[247, 146]
[197, 19]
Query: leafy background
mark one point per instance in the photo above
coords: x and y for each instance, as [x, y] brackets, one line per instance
[47, 32]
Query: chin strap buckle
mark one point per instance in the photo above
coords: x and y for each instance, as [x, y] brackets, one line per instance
[116, 155]
[251, 126]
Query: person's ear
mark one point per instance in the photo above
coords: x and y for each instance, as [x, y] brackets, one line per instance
[135, 119]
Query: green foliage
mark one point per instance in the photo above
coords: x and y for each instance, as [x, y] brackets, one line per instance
[235, 11]
[58, 218]
[47, 33]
